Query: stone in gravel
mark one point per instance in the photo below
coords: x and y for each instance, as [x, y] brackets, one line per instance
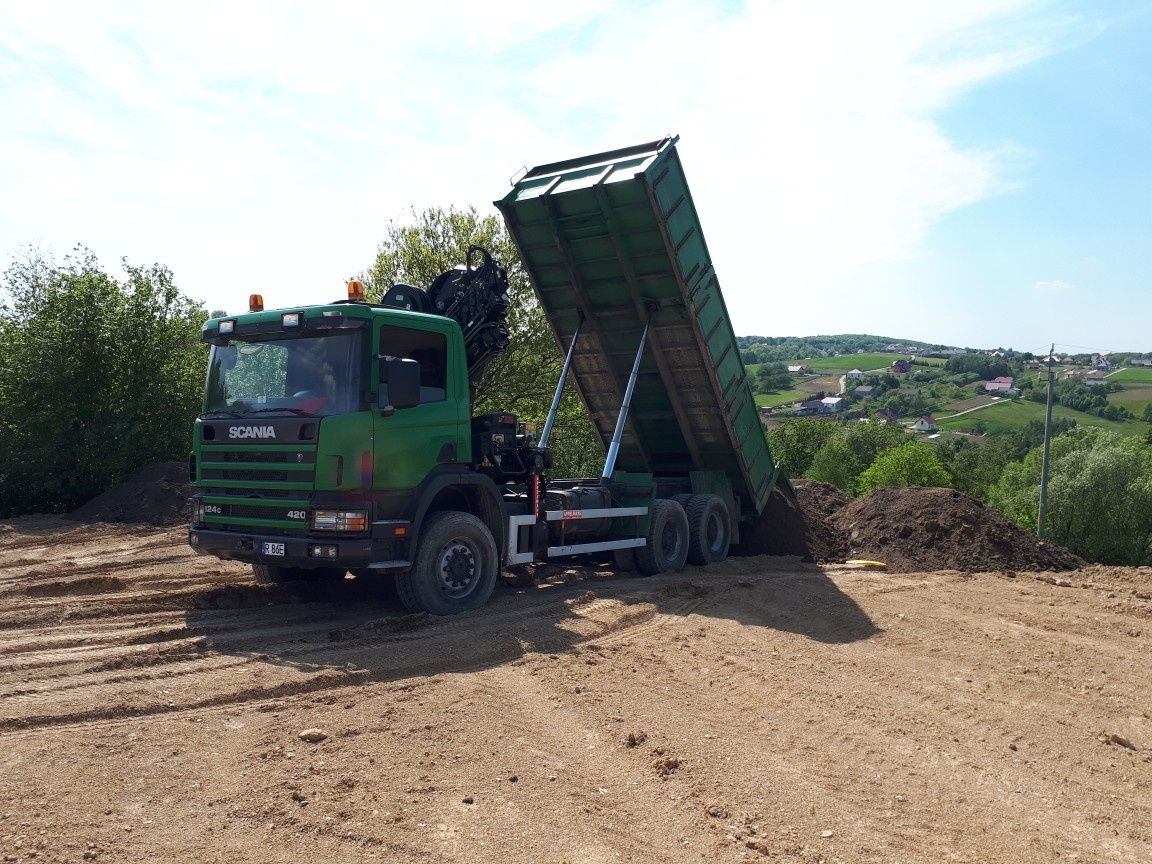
[825, 833]
[469, 800]
[313, 736]
[1121, 740]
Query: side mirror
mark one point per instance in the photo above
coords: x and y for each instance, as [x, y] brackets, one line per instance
[399, 382]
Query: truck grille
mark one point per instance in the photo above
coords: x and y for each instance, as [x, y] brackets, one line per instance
[254, 474]
[255, 487]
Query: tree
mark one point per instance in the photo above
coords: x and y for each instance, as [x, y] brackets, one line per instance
[1147, 415]
[772, 377]
[523, 378]
[910, 464]
[795, 442]
[98, 376]
[838, 464]
[1099, 495]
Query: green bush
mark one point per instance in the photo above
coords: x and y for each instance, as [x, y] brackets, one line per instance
[98, 375]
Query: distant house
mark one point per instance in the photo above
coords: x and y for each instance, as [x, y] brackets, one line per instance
[865, 391]
[901, 366]
[807, 409]
[1001, 385]
[1095, 379]
[797, 370]
[855, 373]
[1140, 362]
[831, 405]
[927, 423]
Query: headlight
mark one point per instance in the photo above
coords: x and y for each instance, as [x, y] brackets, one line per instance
[339, 520]
[227, 327]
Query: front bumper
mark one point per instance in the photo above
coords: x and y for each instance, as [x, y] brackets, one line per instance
[351, 553]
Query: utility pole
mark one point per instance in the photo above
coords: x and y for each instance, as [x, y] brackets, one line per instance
[1042, 517]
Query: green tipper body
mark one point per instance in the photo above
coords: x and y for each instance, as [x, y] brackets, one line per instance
[614, 239]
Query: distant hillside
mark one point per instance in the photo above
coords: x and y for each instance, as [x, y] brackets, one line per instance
[772, 349]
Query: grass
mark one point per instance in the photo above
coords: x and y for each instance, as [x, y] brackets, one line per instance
[845, 362]
[1134, 397]
[1009, 415]
[771, 400]
[1135, 375]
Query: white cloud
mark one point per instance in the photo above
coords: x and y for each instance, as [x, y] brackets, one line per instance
[269, 144]
[1054, 286]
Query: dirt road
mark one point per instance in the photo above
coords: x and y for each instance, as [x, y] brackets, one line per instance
[151, 704]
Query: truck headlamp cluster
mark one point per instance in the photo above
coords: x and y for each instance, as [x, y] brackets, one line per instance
[197, 511]
[339, 520]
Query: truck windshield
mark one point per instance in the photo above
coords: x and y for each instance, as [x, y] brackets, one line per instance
[302, 375]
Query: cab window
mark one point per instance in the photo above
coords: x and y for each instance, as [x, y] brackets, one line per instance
[430, 350]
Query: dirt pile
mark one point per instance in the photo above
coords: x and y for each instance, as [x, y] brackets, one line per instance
[942, 529]
[157, 494]
[803, 528]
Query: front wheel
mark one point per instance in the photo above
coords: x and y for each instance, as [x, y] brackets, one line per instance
[455, 568]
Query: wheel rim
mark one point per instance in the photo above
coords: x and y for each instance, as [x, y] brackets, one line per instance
[714, 533]
[669, 541]
[458, 568]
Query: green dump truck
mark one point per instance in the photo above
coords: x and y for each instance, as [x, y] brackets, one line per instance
[340, 438]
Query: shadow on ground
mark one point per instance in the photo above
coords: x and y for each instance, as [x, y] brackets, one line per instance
[357, 626]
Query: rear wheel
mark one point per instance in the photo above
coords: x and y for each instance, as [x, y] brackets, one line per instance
[709, 529]
[455, 568]
[667, 547]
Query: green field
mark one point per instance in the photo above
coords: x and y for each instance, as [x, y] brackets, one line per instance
[1008, 415]
[771, 400]
[1134, 397]
[1135, 375]
[844, 362]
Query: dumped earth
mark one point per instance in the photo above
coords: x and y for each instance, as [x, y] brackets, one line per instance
[159, 706]
[157, 494]
[942, 529]
[907, 529]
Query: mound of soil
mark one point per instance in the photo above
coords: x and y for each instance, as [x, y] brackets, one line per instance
[802, 527]
[820, 499]
[942, 529]
[157, 494]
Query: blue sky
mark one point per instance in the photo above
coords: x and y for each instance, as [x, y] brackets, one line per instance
[973, 173]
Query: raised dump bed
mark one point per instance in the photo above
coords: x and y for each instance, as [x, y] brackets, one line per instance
[614, 239]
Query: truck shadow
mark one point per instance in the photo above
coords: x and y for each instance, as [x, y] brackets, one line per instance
[357, 629]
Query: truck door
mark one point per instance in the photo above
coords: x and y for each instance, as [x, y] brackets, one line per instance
[412, 441]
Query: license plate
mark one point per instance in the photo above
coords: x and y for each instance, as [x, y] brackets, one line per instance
[272, 549]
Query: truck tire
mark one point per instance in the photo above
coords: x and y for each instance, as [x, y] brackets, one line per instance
[667, 547]
[455, 568]
[709, 529]
[271, 574]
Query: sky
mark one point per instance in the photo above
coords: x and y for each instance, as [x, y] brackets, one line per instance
[975, 174]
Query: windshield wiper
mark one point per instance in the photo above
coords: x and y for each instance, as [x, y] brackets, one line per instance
[299, 412]
[219, 413]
